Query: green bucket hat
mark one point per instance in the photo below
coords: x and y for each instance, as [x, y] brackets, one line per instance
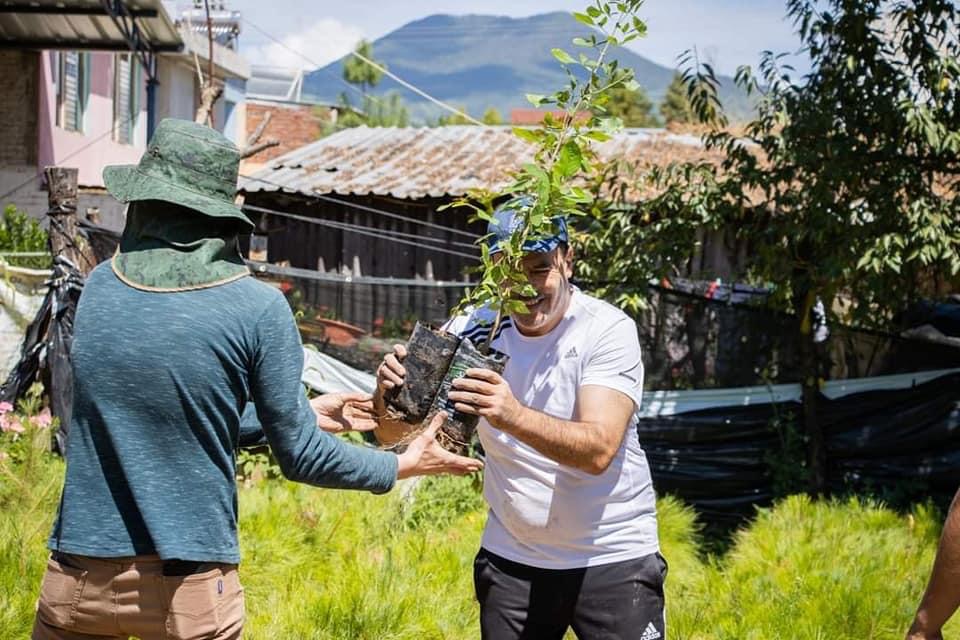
[187, 164]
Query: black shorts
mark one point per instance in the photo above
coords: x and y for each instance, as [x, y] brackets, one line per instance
[619, 600]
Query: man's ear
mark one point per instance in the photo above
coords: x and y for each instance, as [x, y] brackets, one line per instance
[568, 262]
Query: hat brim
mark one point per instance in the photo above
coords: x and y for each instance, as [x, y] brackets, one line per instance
[127, 183]
[532, 246]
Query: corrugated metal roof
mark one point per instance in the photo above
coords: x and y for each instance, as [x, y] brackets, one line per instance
[412, 163]
[82, 24]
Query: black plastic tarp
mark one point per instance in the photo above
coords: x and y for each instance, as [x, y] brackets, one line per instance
[45, 354]
[894, 443]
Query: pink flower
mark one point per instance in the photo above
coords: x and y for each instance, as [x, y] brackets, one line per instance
[5, 407]
[42, 419]
[12, 423]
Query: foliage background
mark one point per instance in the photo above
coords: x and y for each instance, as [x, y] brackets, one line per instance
[327, 565]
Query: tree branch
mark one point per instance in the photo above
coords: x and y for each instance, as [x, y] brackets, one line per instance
[252, 140]
[251, 150]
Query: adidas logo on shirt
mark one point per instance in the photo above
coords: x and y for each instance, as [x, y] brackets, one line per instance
[651, 633]
[571, 354]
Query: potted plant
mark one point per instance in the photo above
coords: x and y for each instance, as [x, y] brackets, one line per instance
[550, 186]
[340, 333]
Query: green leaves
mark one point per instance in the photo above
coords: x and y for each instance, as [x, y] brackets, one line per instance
[584, 18]
[570, 160]
[536, 99]
[562, 56]
[528, 135]
[843, 184]
[563, 160]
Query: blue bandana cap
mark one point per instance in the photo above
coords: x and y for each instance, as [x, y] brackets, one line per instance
[507, 219]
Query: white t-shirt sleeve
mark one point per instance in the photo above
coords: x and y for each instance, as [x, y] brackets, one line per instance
[457, 324]
[615, 361]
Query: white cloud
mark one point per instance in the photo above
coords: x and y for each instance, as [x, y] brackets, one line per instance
[322, 42]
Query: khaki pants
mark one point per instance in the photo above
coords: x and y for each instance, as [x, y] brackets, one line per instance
[84, 598]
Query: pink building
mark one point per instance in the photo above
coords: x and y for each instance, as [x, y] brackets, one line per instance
[77, 90]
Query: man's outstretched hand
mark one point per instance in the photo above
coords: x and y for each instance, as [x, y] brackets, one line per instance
[425, 457]
[342, 412]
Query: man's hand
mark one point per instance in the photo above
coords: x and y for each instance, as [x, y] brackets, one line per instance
[424, 456]
[485, 393]
[923, 635]
[390, 373]
[341, 412]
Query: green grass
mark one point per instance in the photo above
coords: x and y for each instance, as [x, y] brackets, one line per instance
[322, 564]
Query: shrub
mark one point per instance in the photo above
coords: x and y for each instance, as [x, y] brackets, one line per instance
[21, 234]
[30, 482]
[803, 569]
[321, 564]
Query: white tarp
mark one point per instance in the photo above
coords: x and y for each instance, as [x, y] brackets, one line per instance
[326, 374]
[667, 403]
[21, 295]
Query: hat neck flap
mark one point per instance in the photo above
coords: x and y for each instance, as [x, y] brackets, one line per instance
[168, 248]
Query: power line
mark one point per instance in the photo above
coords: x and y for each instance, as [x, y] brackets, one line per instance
[311, 62]
[348, 225]
[359, 230]
[416, 90]
[63, 159]
[389, 214]
[309, 274]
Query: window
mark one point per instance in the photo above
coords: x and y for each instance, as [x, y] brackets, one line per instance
[126, 108]
[73, 87]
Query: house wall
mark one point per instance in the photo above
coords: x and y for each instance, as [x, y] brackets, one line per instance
[293, 124]
[177, 89]
[18, 104]
[19, 95]
[303, 244]
[93, 148]
[178, 97]
[233, 112]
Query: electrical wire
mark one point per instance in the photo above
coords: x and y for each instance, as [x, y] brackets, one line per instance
[373, 64]
[361, 231]
[63, 159]
[390, 232]
[389, 214]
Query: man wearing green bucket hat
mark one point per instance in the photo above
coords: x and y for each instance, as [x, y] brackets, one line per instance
[176, 350]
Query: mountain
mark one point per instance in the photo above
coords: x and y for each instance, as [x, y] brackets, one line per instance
[481, 61]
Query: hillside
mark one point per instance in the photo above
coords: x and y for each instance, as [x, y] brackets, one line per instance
[481, 61]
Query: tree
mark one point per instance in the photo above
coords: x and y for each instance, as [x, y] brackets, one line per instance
[387, 111]
[454, 118]
[632, 106]
[356, 70]
[675, 107]
[19, 233]
[384, 111]
[846, 184]
[551, 184]
[492, 116]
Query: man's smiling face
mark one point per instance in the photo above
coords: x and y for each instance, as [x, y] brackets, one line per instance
[550, 274]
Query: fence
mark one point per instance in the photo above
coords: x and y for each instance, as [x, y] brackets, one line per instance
[728, 451]
[373, 304]
[694, 335]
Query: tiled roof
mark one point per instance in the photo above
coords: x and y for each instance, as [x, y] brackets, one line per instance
[412, 163]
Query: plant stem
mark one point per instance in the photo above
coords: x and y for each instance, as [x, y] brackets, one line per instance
[571, 115]
[485, 349]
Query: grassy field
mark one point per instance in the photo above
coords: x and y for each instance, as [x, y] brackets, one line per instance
[322, 564]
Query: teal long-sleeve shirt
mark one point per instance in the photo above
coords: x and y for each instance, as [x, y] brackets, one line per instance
[161, 381]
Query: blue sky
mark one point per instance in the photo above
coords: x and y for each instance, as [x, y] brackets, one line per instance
[727, 32]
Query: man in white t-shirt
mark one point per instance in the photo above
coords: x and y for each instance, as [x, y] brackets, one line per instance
[571, 534]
